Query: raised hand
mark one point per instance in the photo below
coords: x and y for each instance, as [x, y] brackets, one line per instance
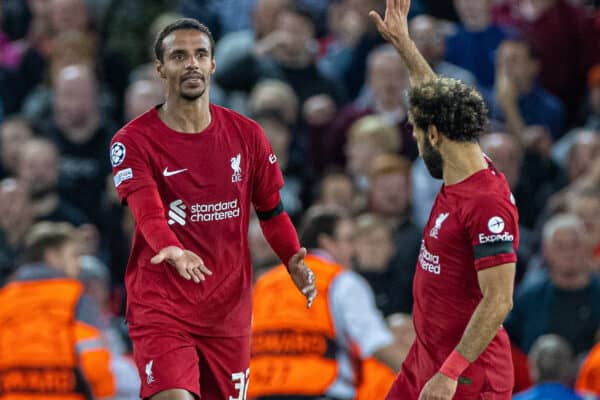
[187, 264]
[303, 277]
[394, 26]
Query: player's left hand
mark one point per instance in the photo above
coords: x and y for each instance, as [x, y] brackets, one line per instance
[303, 277]
[439, 387]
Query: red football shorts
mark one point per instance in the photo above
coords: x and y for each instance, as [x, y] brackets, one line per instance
[212, 368]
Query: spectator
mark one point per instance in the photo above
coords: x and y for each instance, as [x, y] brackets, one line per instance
[344, 315]
[290, 55]
[55, 18]
[426, 33]
[38, 171]
[587, 380]
[368, 138]
[272, 95]
[582, 148]
[551, 360]
[95, 278]
[280, 136]
[336, 190]
[390, 199]
[517, 99]
[82, 135]
[474, 43]
[14, 132]
[374, 248]
[566, 299]
[264, 19]
[142, 95]
[585, 203]
[17, 218]
[564, 39]
[387, 82]
[44, 296]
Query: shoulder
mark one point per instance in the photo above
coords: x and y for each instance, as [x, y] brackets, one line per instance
[135, 128]
[227, 116]
[349, 283]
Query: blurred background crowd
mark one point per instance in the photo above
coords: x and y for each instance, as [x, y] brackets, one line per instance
[331, 97]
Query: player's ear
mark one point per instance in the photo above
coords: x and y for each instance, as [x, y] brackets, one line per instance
[433, 135]
[159, 69]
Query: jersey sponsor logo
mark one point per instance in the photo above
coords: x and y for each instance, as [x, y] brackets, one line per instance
[122, 176]
[177, 212]
[272, 158]
[218, 211]
[149, 376]
[166, 171]
[428, 261]
[438, 224]
[117, 154]
[496, 224]
[505, 237]
[237, 169]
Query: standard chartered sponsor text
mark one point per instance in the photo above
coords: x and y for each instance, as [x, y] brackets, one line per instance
[218, 211]
[428, 261]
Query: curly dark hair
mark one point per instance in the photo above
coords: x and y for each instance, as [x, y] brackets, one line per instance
[457, 110]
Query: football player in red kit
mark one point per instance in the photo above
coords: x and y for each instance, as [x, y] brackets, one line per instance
[189, 171]
[463, 284]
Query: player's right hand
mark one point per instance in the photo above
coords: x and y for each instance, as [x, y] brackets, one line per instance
[187, 264]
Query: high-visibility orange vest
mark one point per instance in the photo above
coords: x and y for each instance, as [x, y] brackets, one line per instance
[588, 380]
[39, 338]
[293, 349]
[376, 380]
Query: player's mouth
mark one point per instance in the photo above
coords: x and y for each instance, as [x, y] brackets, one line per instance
[192, 78]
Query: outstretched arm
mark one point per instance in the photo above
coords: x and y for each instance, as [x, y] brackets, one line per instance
[394, 28]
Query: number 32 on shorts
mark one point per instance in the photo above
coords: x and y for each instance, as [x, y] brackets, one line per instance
[240, 383]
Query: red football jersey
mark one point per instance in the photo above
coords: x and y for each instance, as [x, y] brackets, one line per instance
[473, 225]
[206, 182]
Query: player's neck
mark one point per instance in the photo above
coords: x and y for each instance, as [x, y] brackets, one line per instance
[462, 160]
[186, 116]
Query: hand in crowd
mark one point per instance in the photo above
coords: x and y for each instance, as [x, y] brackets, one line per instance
[506, 92]
[538, 140]
[187, 264]
[319, 110]
[275, 42]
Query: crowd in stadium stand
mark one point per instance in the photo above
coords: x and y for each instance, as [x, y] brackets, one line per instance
[330, 95]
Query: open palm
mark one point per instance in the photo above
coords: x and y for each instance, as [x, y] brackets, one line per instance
[394, 26]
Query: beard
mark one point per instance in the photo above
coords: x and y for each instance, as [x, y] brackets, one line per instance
[433, 159]
[192, 96]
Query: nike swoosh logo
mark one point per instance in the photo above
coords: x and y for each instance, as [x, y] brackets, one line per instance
[166, 172]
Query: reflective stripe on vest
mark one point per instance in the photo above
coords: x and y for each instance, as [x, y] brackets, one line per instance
[293, 349]
[38, 359]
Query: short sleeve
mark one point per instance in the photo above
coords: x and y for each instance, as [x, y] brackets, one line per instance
[130, 166]
[493, 228]
[267, 177]
[356, 315]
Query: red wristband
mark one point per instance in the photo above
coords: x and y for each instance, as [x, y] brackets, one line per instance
[454, 365]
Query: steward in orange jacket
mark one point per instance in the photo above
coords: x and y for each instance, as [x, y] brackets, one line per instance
[49, 347]
[340, 348]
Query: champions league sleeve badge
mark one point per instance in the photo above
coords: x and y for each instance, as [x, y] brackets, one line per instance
[117, 154]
